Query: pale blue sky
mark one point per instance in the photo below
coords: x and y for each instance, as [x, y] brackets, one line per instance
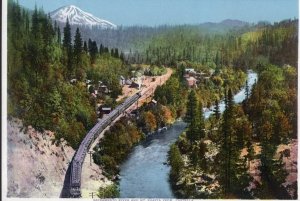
[157, 12]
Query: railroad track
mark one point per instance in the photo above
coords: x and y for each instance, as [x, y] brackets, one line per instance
[72, 184]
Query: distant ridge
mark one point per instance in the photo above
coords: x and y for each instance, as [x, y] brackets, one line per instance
[234, 23]
[227, 23]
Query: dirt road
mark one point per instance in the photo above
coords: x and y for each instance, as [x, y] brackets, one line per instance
[147, 84]
[150, 84]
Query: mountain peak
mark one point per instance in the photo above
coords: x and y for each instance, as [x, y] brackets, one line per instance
[72, 6]
[77, 16]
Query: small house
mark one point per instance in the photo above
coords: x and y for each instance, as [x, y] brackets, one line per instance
[128, 82]
[105, 110]
[135, 85]
[186, 75]
[103, 89]
[99, 83]
[153, 103]
[88, 87]
[122, 80]
[191, 82]
[73, 81]
[190, 71]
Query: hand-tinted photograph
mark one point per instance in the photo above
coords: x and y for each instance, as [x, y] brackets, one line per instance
[151, 99]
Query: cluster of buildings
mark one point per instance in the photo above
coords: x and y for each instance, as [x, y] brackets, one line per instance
[193, 78]
[99, 90]
[133, 82]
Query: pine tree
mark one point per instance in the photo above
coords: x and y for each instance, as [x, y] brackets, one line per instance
[58, 36]
[35, 23]
[67, 45]
[226, 149]
[93, 50]
[27, 23]
[122, 57]
[176, 161]
[77, 48]
[90, 43]
[199, 149]
[247, 93]
[272, 170]
[230, 102]
[191, 107]
[47, 30]
[116, 53]
[201, 123]
[35, 47]
[196, 129]
[85, 48]
[240, 177]
[217, 62]
[217, 110]
[101, 49]
[112, 52]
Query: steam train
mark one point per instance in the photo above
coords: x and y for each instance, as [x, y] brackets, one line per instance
[76, 164]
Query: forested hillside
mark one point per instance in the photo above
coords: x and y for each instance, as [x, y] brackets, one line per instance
[42, 60]
[242, 48]
[135, 38]
[238, 154]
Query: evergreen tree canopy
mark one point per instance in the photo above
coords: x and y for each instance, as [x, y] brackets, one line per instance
[217, 109]
[77, 47]
[67, 43]
[191, 108]
[196, 129]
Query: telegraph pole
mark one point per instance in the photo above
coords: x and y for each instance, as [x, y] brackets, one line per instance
[90, 152]
[92, 194]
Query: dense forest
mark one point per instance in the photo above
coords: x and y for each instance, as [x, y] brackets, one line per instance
[42, 60]
[133, 39]
[213, 157]
[240, 49]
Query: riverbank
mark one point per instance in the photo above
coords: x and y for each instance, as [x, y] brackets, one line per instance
[192, 158]
[126, 137]
[147, 119]
[145, 173]
[255, 143]
[171, 100]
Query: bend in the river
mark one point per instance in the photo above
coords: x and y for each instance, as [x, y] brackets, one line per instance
[145, 173]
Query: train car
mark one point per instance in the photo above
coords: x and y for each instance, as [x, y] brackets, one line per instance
[76, 165]
[75, 180]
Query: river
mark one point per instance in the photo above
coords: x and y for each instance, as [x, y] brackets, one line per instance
[145, 173]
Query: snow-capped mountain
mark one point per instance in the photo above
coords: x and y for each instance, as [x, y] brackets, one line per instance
[79, 17]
